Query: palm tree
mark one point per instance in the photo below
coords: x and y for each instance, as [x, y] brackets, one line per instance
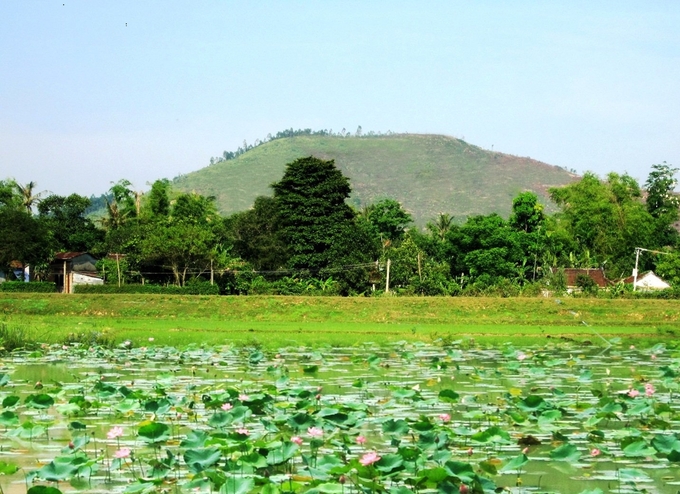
[441, 226]
[28, 198]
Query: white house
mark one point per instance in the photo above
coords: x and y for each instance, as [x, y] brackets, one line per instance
[648, 281]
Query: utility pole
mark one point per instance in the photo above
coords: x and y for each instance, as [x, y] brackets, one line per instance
[387, 277]
[635, 269]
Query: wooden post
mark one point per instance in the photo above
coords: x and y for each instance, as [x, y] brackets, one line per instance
[118, 268]
[387, 281]
[211, 272]
[64, 288]
[420, 275]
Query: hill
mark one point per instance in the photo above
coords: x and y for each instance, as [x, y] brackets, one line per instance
[427, 174]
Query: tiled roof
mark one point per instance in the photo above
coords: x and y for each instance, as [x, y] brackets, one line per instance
[597, 275]
[65, 256]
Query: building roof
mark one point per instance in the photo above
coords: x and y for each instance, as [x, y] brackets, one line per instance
[65, 256]
[595, 274]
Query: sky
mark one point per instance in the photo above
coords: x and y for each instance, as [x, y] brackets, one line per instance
[92, 92]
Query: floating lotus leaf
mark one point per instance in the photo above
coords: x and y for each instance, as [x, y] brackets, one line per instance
[637, 448]
[389, 463]
[448, 396]
[154, 432]
[515, 464]
[566, 452]
[328, 488]
[494, 435]
[282, 454]
[237, 485]
[666, 443]
[9, 419]
[398, 427]
[59, 469]
[8, 468]
[199, 459]
[40, 401]
[10, 401]
[43, 489]
[532, 403]
[194, 439]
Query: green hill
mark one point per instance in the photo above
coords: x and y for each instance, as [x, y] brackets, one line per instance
[427, 174]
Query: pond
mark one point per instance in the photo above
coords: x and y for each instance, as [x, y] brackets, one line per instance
[401, 418]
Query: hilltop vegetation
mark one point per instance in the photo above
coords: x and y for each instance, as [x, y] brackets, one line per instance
[427, 174]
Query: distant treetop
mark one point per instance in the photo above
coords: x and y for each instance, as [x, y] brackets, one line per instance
[283, 134]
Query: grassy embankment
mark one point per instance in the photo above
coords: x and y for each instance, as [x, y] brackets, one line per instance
[427, 174]
[283, 321]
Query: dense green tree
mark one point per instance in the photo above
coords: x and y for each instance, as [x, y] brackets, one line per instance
[527, 213]
[661, 198]
[489, 249]
[158, 201]
[663, 202]
[70, 229]
[194, 208]
[606, 220]
[185, 248]
[8, 194]
[312, 212]
[256, 236]
[389, 219]
[22, 238]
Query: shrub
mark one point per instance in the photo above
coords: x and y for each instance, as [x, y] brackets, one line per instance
[201, 288]
[586, 284]
[32, 287]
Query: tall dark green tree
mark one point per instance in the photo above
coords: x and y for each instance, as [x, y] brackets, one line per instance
[318, 226]
[255, 235]
[312, 211]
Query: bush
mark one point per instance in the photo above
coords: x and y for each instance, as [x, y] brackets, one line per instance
[32, 287]
[200, 288]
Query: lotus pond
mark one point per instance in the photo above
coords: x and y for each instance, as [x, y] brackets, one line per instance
[404, 418]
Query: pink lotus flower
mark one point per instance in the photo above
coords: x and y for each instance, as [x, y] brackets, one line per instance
[633, 393]
[315, 432]
[243, 397]
[369, 458]
[445, 417]
[360, 440]
[227, 406]
[521, 356]
[243, 431]
[595, 452]
[470, 452]
[122, 453]
[115, 432]
[297, 440]
[649, 390]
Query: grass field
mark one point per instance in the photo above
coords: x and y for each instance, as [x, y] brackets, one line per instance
[274, 322]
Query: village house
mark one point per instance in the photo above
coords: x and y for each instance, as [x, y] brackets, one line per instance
[69, 269]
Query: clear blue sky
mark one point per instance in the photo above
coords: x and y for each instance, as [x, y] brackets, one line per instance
[95, 91]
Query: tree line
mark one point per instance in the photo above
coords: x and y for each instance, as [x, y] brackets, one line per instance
[305, 238]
